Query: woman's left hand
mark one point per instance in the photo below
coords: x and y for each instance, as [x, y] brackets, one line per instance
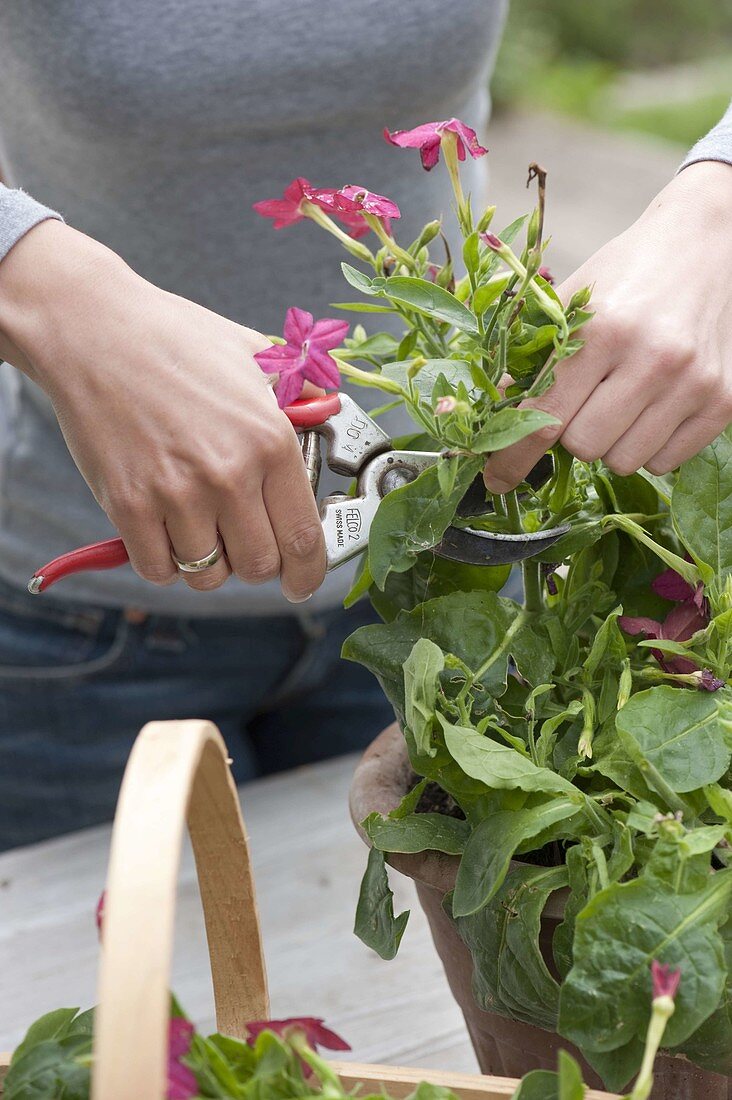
[653, 384]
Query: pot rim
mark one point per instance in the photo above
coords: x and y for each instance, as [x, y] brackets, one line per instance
[380, 781]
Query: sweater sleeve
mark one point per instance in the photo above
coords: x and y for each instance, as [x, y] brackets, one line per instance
[716, 145]
[19, 213]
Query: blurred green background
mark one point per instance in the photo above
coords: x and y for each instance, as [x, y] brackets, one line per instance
[661, 67]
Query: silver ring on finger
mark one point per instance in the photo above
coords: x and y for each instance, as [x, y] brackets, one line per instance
[203, 563]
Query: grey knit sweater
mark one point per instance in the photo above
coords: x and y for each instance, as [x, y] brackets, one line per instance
[153, 128]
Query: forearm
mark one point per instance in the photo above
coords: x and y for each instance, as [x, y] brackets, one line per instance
[19, 214]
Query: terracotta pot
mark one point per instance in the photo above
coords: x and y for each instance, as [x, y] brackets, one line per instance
[502, 1046]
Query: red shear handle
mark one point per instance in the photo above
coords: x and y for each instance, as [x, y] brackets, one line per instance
[311, 412]
[308, 413]
[99, 555]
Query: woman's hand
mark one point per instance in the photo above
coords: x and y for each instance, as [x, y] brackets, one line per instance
[653, 384]
[166, 414]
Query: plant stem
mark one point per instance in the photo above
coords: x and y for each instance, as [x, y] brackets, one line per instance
[661, 1011]
[533, 595]
[360, 251]
[513, 512]
[396, 250]
[499, 505]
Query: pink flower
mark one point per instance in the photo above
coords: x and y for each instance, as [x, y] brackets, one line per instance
[665, 980]
[288, 209]
[689, 615]
[305, 355]
[546, 274]
[351, 202]
[312, 1028]
[182, 1083]
[428, 137]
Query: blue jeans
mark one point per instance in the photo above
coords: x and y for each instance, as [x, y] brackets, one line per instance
[78, 682]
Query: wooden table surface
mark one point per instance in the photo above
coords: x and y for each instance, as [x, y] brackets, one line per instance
[308, 863]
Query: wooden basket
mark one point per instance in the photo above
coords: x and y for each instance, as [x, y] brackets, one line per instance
[178, 772]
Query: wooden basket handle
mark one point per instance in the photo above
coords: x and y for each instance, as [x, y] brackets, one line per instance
[177, 771]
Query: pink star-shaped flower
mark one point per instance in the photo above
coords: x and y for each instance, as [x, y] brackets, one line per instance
[289, 209]
[305, 355]
[353, 199]
[428, 137]
[689, 615]
[182, 1083]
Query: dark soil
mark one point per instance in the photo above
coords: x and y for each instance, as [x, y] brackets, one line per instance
[434, 800]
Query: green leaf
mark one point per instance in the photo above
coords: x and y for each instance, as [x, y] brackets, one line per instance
[493, 844]
[720, 800]
[54, 1025]
[376, 925]
[571, 1085]
[454, 371]
[684, 735]
[606, 997]
[508, 426]
[414, 518]
[487, 294]
[701, 505]
[422, 670]
[510, 975]
[361, 307]
[477, 627]
[418, 833]
[431, 300]
[538, 1084]
[498, 766]
[360, 281]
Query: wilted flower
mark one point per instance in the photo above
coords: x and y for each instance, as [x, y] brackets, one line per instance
[665, 980]
[182, 1083]
[305, 355]
[708, 681]
[428, 137]
[445, 405]
[683, 621]
[313, 1028]
[546, 274]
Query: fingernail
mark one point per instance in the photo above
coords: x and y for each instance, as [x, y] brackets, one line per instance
[495, 485]
[298, 599]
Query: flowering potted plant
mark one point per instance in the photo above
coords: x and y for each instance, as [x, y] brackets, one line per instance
[558, 784]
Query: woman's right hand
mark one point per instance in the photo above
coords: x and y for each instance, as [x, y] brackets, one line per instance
[166, 414]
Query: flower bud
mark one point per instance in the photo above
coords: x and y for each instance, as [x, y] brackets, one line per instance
[493, 242]
[532, 229]
[485, 219]
[579, 299]
[665, 981]
[428, 234]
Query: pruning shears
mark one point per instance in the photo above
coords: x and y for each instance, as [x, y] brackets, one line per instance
[357, 447]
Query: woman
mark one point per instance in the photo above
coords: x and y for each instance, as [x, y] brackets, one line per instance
[152, 129]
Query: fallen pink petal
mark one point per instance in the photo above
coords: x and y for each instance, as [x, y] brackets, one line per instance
[708, 681]
[428, 138]
[665, 980]
[304, 357]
